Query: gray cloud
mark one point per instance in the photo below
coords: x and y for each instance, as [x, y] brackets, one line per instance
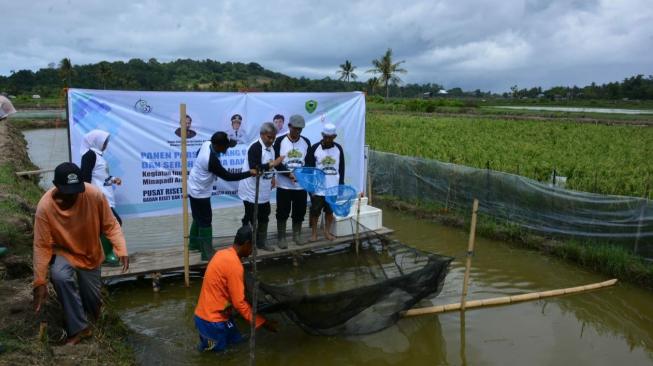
[472, 44]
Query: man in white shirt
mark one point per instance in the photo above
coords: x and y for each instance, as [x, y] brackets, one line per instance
[328, 156]
[206, 168]
[260, 156]
[290, 195]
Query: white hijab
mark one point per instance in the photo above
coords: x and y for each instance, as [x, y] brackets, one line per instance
[94, 140]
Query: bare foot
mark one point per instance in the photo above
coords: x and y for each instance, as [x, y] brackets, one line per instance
[313, 237]
[79, 336]
[329, 236]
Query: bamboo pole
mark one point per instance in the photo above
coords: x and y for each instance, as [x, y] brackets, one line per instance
[184, 191]
[252, 322]
[33, 172]
[506, 300]
[470, 253]
[358, 216]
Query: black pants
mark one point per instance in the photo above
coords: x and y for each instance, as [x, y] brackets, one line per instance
[263, 213]
[200, 208]
[291, 199]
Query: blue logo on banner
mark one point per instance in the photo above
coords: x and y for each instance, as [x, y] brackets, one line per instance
[142, 106]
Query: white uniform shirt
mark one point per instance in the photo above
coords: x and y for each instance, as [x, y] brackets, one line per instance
[331, 161]
[204, 171]
[295, 157]
[257, 155]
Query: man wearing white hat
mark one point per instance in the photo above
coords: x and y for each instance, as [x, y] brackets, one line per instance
[328, 156]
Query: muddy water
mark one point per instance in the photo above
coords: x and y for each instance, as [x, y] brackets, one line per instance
[606, 327]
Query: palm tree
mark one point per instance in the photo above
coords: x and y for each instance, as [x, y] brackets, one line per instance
[346, 71]
[388, 71]
[105, 73]
[66, 71]
[372, 83]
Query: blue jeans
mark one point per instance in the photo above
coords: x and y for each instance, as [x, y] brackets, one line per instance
[217, 336]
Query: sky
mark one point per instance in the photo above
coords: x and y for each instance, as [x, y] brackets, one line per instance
[488, 45]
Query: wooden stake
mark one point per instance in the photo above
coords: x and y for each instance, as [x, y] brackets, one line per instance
[358, 216]
[470, 253]
[184, 191]
[505, 300]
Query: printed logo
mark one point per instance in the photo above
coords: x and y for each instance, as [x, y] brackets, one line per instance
[142, 106]
[328, 165]
[72, 178]
[311, 106]
[295, 159]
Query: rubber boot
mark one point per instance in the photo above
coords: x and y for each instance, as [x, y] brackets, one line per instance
[110, 258]
[281, 235]
[297, 233]
[193, 237]
[262, 238]
[206, 242]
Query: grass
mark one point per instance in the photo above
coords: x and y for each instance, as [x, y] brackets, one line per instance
[594, 158]
[18, 199]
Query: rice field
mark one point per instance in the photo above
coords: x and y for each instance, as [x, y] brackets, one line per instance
[594, 158]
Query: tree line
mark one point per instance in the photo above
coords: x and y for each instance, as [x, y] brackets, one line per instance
[210, 75]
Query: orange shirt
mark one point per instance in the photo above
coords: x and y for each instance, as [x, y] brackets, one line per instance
[74, 233]
[224, 285]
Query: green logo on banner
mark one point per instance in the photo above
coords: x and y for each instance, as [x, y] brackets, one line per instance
[311, 106]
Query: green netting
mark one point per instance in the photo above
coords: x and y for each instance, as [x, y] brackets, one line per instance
[531, 205]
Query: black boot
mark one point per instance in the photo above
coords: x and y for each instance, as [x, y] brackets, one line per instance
[281, 235]
[297, 233]
[206, 242]
[262, 237]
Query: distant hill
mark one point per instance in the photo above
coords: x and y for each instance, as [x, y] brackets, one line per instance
[185, 74]
[210, 75]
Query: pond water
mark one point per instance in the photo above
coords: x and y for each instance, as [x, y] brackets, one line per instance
[605, 327]
[580, 109]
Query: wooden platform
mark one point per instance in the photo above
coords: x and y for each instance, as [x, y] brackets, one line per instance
[172, 259]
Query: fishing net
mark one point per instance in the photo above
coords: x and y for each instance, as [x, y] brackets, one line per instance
[340, 198]
[338, 291]
[520, 202]
[311, 179]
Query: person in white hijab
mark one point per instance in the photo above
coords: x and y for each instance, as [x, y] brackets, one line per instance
[95, 170]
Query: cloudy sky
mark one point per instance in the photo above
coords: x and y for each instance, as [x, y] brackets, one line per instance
[472, 44]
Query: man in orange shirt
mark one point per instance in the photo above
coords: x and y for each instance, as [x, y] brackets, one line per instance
[69, 220]
[223, 290]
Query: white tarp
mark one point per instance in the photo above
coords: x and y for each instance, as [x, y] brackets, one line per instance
[145, 152]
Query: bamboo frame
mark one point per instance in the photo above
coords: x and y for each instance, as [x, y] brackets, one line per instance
[470, 253]
[184, 192]
[34, 172]
[506, 300]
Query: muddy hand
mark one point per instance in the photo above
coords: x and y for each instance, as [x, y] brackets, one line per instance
[124, 260]
[40, 297]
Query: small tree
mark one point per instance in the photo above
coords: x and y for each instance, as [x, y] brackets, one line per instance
[105, 73]
[387, 70]
[372, 84]
[346, 71]
[66, 71]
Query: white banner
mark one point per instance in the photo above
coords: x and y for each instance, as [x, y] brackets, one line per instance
[144, 149]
